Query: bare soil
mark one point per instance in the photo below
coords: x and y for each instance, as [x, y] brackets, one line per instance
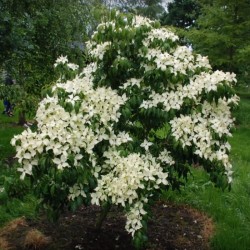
[172, 227]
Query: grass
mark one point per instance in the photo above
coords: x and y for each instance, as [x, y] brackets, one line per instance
[8, 128]
[15, 207]
[229, 210]
[6, 133]
[19, 204]
[36, 240]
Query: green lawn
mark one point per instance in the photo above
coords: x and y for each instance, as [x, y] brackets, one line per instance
[8, 128]
[229, 210]
[6, 133]
[11, 207]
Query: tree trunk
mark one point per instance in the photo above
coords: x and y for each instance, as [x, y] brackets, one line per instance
[103, 215]
[21, 118]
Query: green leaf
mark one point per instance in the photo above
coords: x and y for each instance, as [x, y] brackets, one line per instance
[69, 107]
[52, 190]
[163, 132]
[42, 161]
[77, 106]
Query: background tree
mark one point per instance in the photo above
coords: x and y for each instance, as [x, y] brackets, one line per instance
[149, 8]
[181, 13]
[34, 33]
[222, 33]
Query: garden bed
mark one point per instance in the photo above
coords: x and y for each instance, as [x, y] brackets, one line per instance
[171, 227]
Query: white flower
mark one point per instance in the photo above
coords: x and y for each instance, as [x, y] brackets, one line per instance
[116, 140]
[75, 191]
[134, 217]
[73, 66]
[146, 144]
[100, 50]
[61, 60]
[131, 82]
[140, 20]
[166, 157]
[61, 162]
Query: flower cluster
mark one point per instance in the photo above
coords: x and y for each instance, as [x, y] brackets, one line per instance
[134, 217]
[65, 133]
[199, 84]
[162, 34]
[139, 21]
[63, 60]
[126, 175]
[100, 49]
[123, 115]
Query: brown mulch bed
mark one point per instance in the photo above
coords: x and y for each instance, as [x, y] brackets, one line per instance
[172, 226]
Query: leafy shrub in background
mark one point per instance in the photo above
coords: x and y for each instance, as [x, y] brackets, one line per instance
[16, 188]
[131, 124]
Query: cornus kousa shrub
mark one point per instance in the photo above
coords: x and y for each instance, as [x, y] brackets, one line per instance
[131, 124]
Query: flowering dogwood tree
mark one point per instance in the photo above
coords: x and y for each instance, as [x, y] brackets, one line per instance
[131, 124]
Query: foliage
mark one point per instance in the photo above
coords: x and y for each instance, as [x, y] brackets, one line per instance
[130, 125]
[14, 187]
[181, 13]
[38, 27]
[152, 9]
[33, 34]
[222, 34]
[7, 131]
[14, 208]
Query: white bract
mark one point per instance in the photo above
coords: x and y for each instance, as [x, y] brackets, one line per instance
[111, 117]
